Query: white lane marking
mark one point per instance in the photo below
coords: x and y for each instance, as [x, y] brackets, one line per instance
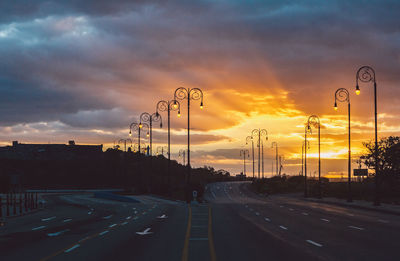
[291, 209]
[359, 228]
[38, 228]
[113, 225]
[383, 221]
[284, 228]
[351, 215]
[57, 233]
[67, 220]
[326, 220]
[124, 223]
[83, 239]
[107, 217]
[163, 216]
[257, 214]
[48, 219]
[267, 219]
[129, 217]
[135, 212]
[305, 214]
[144, 232]
[133, 208]
[72, 248]
[313, 243]
[103, 233]
[90, 213]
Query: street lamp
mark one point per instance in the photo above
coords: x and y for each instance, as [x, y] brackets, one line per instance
[367, 74]
[161, 149]
[276, 153]
[168, 106]
[150, 118]
[342, 95]
[182, 154]
[182, 93]
[259, 133]
[248, 138]
[244, 153]
[138, 127]
[302, 155]
[313, 121]
[125, 141]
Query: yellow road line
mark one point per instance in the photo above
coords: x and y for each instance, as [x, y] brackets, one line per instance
[185, 252]
[210, 237]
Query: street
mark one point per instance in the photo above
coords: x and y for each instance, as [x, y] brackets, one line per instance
[235, 224]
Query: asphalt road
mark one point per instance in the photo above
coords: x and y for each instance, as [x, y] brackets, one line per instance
[236, 224]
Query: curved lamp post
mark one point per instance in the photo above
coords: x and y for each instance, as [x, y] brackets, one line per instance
[342, 95]
[137, 127]
[244, 153]
[259, 133]
[150, 118]
[248, 138]
[276, 153]
[182, 154]
[161, 149]
[182, 93]
[125, 141]
[313, 121]
[302, 155]
[168, 106]
[367, 74]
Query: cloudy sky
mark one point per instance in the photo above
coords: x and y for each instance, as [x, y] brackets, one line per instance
[85, 70]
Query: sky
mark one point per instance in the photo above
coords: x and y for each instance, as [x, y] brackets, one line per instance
[84, 70]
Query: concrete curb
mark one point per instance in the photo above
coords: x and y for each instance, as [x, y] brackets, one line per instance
[352, 205]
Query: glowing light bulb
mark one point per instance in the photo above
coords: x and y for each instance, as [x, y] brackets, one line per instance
[358, 90]
[179, 114]
[147, 134]
[175, 105]
[140, 125]
[335, 108]
[201, 105]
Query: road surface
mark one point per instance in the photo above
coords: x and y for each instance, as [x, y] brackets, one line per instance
[235, 224]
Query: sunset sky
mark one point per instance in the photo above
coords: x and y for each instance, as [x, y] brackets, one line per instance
[84, 70]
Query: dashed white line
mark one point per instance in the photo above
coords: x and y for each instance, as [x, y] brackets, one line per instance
[359, 228]
[326, 220]
[67, 220]
[48, 219]
[284, 228]
[72, 248]
[383, 221]
[57, 233]
[113, 225]
[351, 215]
[257, 214]
[267, 219]
[103, 233]
[124, 223]
[90, 213]
[83, 239]
[38, 228]
[313, 243]
[129, 217]
[305, 214]
[107, 217]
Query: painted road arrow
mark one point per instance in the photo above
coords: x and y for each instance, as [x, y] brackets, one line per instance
[145, 232]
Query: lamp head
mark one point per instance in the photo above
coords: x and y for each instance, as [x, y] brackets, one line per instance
[175, 105]
[335, 107]
[161, 125]
[358, 90]
[179, 113]
[147, 134]
[130, 133]
[140, 125]
[201, 105]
